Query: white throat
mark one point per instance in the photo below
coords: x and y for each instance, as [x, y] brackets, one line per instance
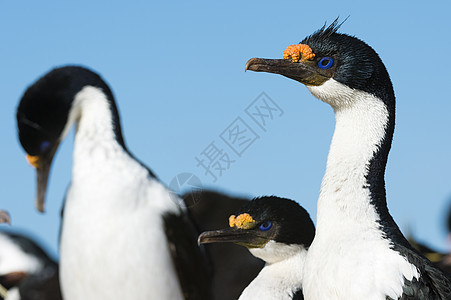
[282, 275]
[361, 121]
[91, 112]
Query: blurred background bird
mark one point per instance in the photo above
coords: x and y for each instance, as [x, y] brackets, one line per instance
[115, 206]
[27, 272]
[440, 259]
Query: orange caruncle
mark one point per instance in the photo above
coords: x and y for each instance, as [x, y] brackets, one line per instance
[298, 51]
[243, 221]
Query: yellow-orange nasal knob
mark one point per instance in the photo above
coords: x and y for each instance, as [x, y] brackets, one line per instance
[243, 221]
[298, 51]
[33, 160]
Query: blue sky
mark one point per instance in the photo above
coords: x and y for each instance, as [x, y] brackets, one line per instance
[177, 71]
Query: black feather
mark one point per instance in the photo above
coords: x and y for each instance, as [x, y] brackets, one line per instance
[234, 267]
[191, 265]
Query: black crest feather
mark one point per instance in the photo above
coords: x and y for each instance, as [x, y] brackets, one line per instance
[326, 31]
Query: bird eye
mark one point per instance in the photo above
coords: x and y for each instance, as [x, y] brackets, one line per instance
[265, 226]
[325, 63]
[44, 146]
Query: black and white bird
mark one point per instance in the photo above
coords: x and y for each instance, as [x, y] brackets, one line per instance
[358, 251]
[440, 259]
[27, 272]
[233, 266]
[124, 234]
[278, 231]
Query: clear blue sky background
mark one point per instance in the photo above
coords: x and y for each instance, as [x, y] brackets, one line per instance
[177, 71]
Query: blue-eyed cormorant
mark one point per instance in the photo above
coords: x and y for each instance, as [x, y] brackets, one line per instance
[233, 266]
[358, 251]
[124, 234]
[278, 231]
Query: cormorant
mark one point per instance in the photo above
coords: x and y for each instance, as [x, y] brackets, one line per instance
[358, 251]
[278, 231]
[124, 234]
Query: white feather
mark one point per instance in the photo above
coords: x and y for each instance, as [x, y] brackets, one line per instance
[349, 258]
[282, 275]
[14, 259]
[113, 245]
[13, 294]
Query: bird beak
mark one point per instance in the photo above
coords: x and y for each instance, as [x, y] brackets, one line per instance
[304, 71]
[4, 217]
[244, 237]
[12, 279]
[42, 164]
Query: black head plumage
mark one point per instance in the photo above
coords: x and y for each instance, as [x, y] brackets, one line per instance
[293, 223]
[44, 108]
[357, 64]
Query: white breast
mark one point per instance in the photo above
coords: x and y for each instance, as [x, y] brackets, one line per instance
[113, 245]
[282, 275]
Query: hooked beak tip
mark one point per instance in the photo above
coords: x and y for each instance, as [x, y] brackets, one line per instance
[249, 64]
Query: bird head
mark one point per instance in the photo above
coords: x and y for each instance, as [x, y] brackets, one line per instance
[263, 223]
[332, 65]
[45, 115]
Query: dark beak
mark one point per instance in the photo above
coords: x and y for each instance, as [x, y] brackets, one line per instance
[243, 237]
[42, 165]
[12, 279]
[304, 71]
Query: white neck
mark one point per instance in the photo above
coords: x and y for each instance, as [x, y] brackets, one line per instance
[350, 257]
[281, 278]
[92, 111]
[361, 121]
[95, 139]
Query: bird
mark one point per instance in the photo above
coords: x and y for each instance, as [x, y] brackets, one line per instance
[27, 272]
[233, 266]
[358, 251]
[440, 259]
[124, 234]
[277, 230]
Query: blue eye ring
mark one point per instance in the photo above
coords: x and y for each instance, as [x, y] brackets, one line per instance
[325, 62]
[44, 146]
[265, 226]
